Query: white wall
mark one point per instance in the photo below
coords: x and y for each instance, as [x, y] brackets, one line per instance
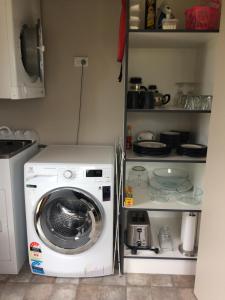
[211, 263]
[74, 28]
[163, 67]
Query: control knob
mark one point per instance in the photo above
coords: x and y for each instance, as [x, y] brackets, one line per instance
[68, 174]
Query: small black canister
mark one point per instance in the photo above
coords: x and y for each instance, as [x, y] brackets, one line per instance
[135, 95]
[149, 101]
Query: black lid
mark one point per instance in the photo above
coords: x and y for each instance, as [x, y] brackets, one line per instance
[152, 87]
[136, 80]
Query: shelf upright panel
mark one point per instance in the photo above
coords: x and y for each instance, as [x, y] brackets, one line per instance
[122, 210]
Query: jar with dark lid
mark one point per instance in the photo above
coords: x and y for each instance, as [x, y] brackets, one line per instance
[136, 84]
[152, 88]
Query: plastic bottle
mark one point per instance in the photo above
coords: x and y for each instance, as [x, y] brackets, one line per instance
[129, 138]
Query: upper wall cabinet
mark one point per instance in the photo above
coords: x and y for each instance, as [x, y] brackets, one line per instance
[21, 50]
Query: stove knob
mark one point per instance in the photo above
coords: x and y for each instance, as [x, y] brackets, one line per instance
[68, 174]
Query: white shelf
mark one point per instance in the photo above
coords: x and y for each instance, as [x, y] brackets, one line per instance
[156, 224]
[148, 39]
[169, 109]
[173, 157]
[142, 201]
[159, 266]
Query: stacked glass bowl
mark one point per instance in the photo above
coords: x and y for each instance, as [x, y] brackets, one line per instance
[169, 184]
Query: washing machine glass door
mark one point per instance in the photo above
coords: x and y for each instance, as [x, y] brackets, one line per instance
[69, 220]
[31, 44]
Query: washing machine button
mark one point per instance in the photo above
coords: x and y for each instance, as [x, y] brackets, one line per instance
[68, 174]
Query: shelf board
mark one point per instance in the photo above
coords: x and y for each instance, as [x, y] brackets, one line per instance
[170, 39]
[168, 110]
[156, 223]
[173, 157]
[142, 200]
[174, 31]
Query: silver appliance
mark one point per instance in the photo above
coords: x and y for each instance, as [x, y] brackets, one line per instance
[139, 231]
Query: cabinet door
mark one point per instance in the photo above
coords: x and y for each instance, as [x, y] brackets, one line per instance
[4, 234]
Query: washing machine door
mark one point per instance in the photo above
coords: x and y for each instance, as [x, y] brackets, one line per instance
[69, 220]
[32, 49]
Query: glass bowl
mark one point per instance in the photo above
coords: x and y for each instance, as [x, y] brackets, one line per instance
[170, 177]
[191, 198]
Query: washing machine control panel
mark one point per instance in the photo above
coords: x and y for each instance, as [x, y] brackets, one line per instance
[85, 174]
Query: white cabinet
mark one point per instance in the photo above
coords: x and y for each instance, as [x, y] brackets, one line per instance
[21, 50]
[164, 59]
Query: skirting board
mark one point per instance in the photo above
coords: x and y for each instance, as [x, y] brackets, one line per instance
[159, 266]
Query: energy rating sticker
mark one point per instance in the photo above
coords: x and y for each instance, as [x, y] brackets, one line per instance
[37, 267]
[35, 251]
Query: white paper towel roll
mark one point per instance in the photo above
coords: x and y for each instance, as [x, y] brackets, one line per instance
[183, 222]
[189, 232]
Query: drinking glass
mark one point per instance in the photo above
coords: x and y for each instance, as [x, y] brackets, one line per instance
[206, 102]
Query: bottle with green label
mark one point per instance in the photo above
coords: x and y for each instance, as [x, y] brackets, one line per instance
[150, 14]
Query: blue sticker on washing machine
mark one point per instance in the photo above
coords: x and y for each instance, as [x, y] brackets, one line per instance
[37, 266]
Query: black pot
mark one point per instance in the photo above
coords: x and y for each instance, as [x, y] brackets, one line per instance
[171, 138]
[135, 100]
[148, 99]
[184, 136]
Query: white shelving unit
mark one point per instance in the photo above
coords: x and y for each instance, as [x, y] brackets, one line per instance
[164, 58]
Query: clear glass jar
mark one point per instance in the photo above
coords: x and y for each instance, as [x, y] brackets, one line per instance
[165, 239]
[138, 177]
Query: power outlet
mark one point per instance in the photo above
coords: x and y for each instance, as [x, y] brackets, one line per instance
[80, 61]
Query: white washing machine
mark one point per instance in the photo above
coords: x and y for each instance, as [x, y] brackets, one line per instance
[21, 51]
[69, 192]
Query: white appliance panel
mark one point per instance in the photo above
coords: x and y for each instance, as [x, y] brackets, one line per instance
[4, 232]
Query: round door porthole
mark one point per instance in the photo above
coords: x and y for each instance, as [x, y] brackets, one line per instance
[29, 44]
[69, 220]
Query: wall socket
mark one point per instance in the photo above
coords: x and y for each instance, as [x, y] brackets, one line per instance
[81, 60]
